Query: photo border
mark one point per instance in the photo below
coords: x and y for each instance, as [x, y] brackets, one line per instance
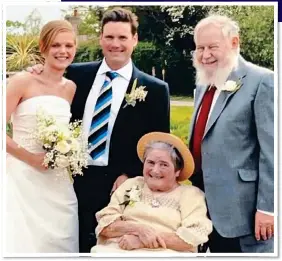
[276, 154]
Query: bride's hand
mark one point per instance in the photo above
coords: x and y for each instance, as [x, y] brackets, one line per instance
[36, 69]
[36, 161]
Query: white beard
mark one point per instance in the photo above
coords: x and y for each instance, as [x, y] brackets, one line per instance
[219, 76]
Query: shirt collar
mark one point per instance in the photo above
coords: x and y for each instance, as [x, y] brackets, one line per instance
[125, 71]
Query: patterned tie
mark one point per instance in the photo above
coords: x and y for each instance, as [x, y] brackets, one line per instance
[200, 126]
[99, 126]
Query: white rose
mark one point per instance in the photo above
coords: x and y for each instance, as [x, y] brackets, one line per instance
[63, 147]
[74, 145]
[65, 131]
[62, 161]
[134, 195]
[230, 86]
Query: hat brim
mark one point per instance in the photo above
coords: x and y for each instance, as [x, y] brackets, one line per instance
[176, 142]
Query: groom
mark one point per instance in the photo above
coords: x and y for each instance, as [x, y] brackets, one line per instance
[113, 147]
[233, 140]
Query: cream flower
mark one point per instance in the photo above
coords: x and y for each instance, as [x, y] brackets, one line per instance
[65, 132]
[63, 147]
[74, 145]
[135, 94]
[134, 194]
[229, 86]
[62, 161]
[64, 143]
[232, 86]
[131, 196]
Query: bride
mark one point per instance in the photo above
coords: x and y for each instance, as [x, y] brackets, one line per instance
[41, 205]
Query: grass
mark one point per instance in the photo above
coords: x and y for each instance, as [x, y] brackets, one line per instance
[180, 121]
[180, 117]
[181, 98]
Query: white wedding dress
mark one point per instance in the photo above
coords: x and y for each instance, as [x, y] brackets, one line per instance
[41, 207]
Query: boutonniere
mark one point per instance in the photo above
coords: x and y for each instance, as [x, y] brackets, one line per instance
[135, 94]
[131, 196]
[232, 86]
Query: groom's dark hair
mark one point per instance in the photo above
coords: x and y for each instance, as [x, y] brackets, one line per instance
[119, 14]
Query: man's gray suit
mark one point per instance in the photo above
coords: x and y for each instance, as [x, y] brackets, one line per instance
[238, 152]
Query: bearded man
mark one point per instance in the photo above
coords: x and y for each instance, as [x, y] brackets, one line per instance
[232, 140]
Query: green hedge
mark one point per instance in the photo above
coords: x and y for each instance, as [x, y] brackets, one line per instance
[88, 51]
[145, 55]
[178, 72]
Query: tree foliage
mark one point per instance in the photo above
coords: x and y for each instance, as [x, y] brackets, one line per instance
[14, 26]
[31, 25]
[165, 36]
[170, 29]
[90, 18]
[256, 31]
[169, 32]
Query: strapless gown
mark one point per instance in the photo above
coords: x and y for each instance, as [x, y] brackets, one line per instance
[41, 207]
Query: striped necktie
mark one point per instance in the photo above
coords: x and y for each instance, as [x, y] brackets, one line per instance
[100, 120]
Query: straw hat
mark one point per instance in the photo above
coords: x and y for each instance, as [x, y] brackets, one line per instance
[177, 143]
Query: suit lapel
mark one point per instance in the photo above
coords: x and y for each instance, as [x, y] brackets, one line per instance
[123, 113]
[130, 85]
[218, 108]
[224, 96]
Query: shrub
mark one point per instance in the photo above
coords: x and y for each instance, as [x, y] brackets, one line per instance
[88, 51]
[145, 56]
[22, 51]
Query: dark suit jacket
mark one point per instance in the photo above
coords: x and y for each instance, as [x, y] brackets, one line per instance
[132, 122]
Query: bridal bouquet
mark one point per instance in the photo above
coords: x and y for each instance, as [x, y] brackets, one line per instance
[64, 144]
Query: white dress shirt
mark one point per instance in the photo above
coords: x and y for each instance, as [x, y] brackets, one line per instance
[119, 87]
[216, 95]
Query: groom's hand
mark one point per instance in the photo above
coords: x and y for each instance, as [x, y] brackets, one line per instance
[36, 69]
[118, 182]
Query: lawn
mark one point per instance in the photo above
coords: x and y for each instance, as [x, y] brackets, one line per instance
[181, 98]
[180, 121]
[180, 117]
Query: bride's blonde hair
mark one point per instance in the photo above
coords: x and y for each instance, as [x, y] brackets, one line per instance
[51, 30]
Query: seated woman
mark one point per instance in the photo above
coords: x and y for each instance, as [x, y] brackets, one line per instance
[155, 212]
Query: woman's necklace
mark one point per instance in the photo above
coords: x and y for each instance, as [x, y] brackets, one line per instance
[155, 203]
